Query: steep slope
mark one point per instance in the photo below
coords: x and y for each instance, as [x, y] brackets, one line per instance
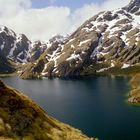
[6, 66]
[36, 50]
[13, 46]
[134, 96]
[108, 41]
[21, 118]
[13, 49]
[133, 7]
[18, 49]
[52, 49]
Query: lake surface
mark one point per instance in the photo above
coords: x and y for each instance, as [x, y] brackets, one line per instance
[94, 105]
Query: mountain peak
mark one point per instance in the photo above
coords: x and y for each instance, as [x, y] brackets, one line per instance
[133, 7]
[7, 30]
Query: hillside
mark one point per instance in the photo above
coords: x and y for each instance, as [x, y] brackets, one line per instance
[17, 49]
[107, 42]
[21, 118]
[134, 95]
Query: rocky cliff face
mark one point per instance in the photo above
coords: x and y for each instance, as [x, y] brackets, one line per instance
[133, 7]
[6, 66]
[108, 41]
[134, 96]
[17, 49]
[13, 46]
[37, 49]
[21, 118]
[13, 49]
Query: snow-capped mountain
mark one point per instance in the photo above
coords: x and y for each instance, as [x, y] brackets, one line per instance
[18, 49]
[37, 48]
[108, 41]
[13, 46]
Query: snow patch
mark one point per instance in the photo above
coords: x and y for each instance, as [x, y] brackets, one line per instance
[112, 64]
[72, 46]
[73, 56]
[71, 40]
[83, 42]
[125, 66]
[102, 70]
[2, 46]
[45, 67]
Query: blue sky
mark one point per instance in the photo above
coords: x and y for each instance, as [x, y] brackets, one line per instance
[73, 4]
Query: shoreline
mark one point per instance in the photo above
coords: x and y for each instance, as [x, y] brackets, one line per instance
[134, 94]
[131, 95]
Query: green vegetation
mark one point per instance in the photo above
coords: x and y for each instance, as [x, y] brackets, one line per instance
[8, 74]
[106, 68]
[122, 72]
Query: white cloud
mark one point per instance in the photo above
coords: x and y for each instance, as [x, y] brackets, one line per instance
[44, 23]
[87, 11]
[41, 23]
[12, 7]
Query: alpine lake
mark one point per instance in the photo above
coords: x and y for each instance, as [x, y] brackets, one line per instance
[95, 105]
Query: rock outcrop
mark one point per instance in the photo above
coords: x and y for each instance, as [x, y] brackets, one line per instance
[14, 46]
[133, 7]
[134, 96]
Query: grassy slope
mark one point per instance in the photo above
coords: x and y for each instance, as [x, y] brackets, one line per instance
[22, 119]
[134, 96]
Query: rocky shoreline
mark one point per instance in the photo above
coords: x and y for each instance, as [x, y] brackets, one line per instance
[134, 95]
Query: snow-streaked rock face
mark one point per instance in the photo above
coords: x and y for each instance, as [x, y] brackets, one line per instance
[133, 7]
[14, 46]
[18, 49]
[37, 48]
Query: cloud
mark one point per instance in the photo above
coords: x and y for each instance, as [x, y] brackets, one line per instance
[41, 23]
[88, 10]
[12, 7]
[46, 22]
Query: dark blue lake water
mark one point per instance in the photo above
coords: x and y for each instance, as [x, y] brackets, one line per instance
[95, 105]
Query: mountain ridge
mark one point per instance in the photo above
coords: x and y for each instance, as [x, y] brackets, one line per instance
[107, 41]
